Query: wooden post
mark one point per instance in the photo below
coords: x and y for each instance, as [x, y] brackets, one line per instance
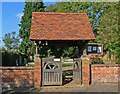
[82, 47]
[36, 46]
[37, 69]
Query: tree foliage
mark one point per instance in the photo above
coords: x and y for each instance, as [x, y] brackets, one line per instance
[56, 51]
[108, 29]
[27, 47]
[11, 42]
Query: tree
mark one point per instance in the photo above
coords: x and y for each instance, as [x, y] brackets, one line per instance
[11, 41]
[27, 47]
[108, 31]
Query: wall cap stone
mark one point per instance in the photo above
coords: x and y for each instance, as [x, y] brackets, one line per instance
[37, 58]
[84, 57]
[105, 65]
[17, 68]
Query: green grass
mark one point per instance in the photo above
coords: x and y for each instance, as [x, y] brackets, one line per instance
[67, 64]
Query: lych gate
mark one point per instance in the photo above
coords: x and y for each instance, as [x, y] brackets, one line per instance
[59, 29]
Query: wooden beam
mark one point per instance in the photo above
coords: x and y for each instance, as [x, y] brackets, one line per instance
[37, 47]
[82, 46]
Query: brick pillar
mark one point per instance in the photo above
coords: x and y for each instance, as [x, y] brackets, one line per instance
[37, 72]
[85, 71]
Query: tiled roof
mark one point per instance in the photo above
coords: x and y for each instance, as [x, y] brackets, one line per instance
[60, 26]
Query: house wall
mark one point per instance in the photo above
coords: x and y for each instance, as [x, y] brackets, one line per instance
[105, 73]
[17, 76]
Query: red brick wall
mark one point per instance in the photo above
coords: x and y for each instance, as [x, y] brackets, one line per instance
[37, 75]
[85, 71]
[105, 73]
[37, 72]
[17, 76]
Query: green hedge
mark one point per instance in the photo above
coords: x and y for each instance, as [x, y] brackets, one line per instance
[9, 59]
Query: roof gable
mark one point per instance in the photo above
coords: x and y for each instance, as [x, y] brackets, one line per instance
[60, 26]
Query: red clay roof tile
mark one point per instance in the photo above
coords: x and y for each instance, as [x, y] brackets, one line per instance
[60, 26]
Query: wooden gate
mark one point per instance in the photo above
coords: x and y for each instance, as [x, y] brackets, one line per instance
[52, 71]
[77, 70]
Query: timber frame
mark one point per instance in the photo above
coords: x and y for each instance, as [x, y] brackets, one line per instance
[80, 44]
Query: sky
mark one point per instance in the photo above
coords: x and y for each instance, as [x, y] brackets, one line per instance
[11, 16]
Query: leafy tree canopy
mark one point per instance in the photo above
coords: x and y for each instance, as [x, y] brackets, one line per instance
[27, 47]
[108, 29]
[11, 42]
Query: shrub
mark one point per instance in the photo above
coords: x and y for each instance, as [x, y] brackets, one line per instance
[96, 61]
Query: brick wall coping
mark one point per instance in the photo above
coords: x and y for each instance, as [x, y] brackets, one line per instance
[17, 68]
[105, 65]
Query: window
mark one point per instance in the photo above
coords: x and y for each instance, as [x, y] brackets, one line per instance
[94, 48]
[89, 48]
[99, 49]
